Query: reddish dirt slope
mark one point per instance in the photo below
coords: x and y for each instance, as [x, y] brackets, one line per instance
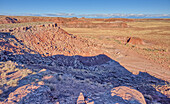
[49, 39]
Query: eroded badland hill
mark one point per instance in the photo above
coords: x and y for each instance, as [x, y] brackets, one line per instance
[53, 60]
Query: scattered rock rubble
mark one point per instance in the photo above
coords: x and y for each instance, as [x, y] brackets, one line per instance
[49, 39]
[5, 20]
[67, 78]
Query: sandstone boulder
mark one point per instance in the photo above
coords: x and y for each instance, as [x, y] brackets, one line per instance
[130, 95]
[135, 41]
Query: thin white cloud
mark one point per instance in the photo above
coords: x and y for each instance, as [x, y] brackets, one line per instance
[60, 14]
[125, 15]
[95, 15]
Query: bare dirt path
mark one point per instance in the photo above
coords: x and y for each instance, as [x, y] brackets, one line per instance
[136, 63]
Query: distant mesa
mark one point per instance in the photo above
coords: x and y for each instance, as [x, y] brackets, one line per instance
[68, 22]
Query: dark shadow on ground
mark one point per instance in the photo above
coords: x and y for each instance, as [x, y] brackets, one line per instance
[99, 69]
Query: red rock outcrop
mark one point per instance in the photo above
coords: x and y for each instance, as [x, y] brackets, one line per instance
[135, 41]
[5, 20]
[49, 39]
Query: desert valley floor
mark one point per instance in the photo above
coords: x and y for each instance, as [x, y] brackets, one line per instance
[55, 60]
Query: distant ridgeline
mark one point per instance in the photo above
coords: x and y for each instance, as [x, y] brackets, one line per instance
[66, 22]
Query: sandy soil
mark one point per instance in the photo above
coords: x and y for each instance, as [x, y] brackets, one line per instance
[152, 56]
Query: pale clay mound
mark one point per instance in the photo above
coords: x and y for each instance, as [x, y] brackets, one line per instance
[41, 63]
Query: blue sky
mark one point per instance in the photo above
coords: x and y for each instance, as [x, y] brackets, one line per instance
[86, 8]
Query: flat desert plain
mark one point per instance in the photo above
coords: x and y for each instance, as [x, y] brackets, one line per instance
[149, 53]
